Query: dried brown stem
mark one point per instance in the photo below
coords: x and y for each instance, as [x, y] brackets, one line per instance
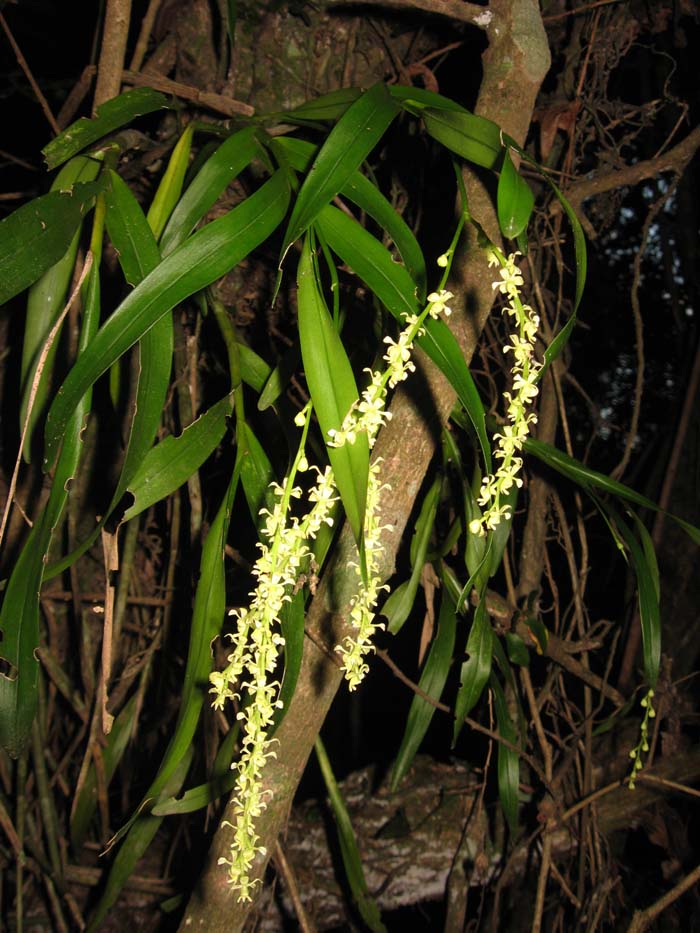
[147, 22]
[216, 102]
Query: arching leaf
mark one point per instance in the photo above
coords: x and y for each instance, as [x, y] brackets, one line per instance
[514, 199]
[347, 146]
[333, 390]
[205, 257]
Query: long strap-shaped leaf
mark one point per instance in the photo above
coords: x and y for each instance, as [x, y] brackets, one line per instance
[591, 479]
[432, 683]
[229, 160]
[45, 300]
[19, 617]
[333, 391]
[368, 198]
[205, 257]
[110, 116]
[348, 144]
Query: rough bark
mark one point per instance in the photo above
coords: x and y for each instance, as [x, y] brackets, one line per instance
[408, 838]
[513, 67]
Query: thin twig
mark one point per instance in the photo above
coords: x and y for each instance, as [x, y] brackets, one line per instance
[664, 782]
[22, 62]
[285, 869]
[642, 918]
[633, 431]
[577, 11]
[147, 22]
[216, 102]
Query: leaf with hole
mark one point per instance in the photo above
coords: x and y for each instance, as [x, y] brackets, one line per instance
[110, 116]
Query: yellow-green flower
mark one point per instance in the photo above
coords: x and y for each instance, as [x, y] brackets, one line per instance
[525, 372]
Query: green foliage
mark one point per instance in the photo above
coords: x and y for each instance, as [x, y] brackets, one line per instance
[171, 253]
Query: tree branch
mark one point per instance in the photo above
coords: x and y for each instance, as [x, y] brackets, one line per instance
[470, 13]
[113, 50]
[675, 160]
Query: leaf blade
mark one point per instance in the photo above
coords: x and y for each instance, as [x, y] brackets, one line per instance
[205, 257]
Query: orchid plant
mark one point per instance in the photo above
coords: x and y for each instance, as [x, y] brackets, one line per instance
[172, 253]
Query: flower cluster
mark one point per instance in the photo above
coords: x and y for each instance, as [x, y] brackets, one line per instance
[284, 550]
[525, 372]
[366, 416]
[257, 641]
[642, 746]
[363, 604]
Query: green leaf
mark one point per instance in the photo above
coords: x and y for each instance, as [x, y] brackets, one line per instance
[643, 560]
[19, 616]
[38, 234]
[333, 391]
[254, 370]
[327, 107]
[256, 471]
[129, 231]
[413, 98]
[352, 862]
[508, 760]
[171, 462]
[110, 116]
[399, 604]
[517, 649]
[170, 187]
[229, 160]
[348, 144]
[394, 287]
[514, 199]
[590, 479]
[369, 199]
[432, 683]
[134, 847]
[499, 536]
[292, 624]
[280, 376]
[476, 669]
[473, 138]
[45, 302]
[196, 798]
[205, 257]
